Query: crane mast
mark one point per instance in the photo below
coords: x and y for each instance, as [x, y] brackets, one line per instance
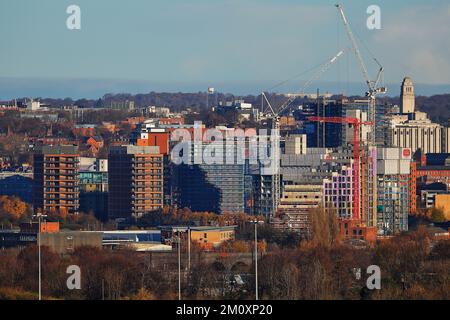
[373, 89]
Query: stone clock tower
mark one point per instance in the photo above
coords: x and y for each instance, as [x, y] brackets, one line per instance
[407, 99]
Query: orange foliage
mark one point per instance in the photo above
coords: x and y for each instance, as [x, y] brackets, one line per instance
[13, 208]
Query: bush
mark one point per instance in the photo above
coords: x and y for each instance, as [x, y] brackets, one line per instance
[17, 294]
[438, 215]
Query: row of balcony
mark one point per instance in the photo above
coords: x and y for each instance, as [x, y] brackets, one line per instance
[154, 196]
[61, 184]
[60, 166]
[146, 178]
[60, 172]
[60, 197]
[65, 178]
[61, 160]
[145, 205]
[147, 160]
[61, 190]
[146, 171]
[146, 184]
[146, 190]
[53, 202]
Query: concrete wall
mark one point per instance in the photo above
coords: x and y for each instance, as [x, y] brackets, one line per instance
[67, 242]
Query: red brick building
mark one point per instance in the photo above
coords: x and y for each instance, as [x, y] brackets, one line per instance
[55, 186]
[84, 130]
[159, 139]
[135, 181]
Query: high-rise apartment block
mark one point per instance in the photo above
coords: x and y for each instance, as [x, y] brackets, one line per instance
[135, 180]
[56, 187]
[218, 187]
[266, 176]
[394, 190]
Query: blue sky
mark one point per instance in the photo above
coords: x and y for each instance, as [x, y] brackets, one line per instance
[145, 45]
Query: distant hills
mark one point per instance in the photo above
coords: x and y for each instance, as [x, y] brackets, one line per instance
[437, 106]
[90, 88]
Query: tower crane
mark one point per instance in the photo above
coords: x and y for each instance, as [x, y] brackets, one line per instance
[374, 89]
[322, 70]
[356, 124]
[276, 114]
[373, 85]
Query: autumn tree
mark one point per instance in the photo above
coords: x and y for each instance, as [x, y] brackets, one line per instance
[12, 209]
[8, 265]
[54, 277]
[438, 215]
[142, 294]
[403, 259]
[324, 227]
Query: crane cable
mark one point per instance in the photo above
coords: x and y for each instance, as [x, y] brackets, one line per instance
[325, 65]
[298, 75]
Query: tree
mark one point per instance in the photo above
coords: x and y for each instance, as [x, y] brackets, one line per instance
[54, 277]
[8, 264]
[324, 227]
[13, 209]
[142, 294]
[438, 215]
[14, 147]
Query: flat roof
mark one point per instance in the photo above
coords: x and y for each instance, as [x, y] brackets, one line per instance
[132, 149]
[433, 168]
[197, 228]
[60, 149]
[124, 232]
[132, 231]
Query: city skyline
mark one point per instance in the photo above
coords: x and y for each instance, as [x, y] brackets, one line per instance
[225, 150]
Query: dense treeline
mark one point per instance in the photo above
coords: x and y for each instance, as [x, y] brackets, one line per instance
[319, 267]
[178, 101]
[437, 106]
[411, 268]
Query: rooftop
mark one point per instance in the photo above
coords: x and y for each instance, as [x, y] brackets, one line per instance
[61, 149]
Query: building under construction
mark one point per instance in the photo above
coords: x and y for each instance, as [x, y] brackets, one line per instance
[371, 188]
[394, 190]
[218, 187]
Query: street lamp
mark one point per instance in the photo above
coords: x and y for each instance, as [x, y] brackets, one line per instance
[256, 222]
[39, 216]
[189, 249]
[179, 264]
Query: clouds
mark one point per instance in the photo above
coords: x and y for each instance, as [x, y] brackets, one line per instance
[417, 42]
[218, 41]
